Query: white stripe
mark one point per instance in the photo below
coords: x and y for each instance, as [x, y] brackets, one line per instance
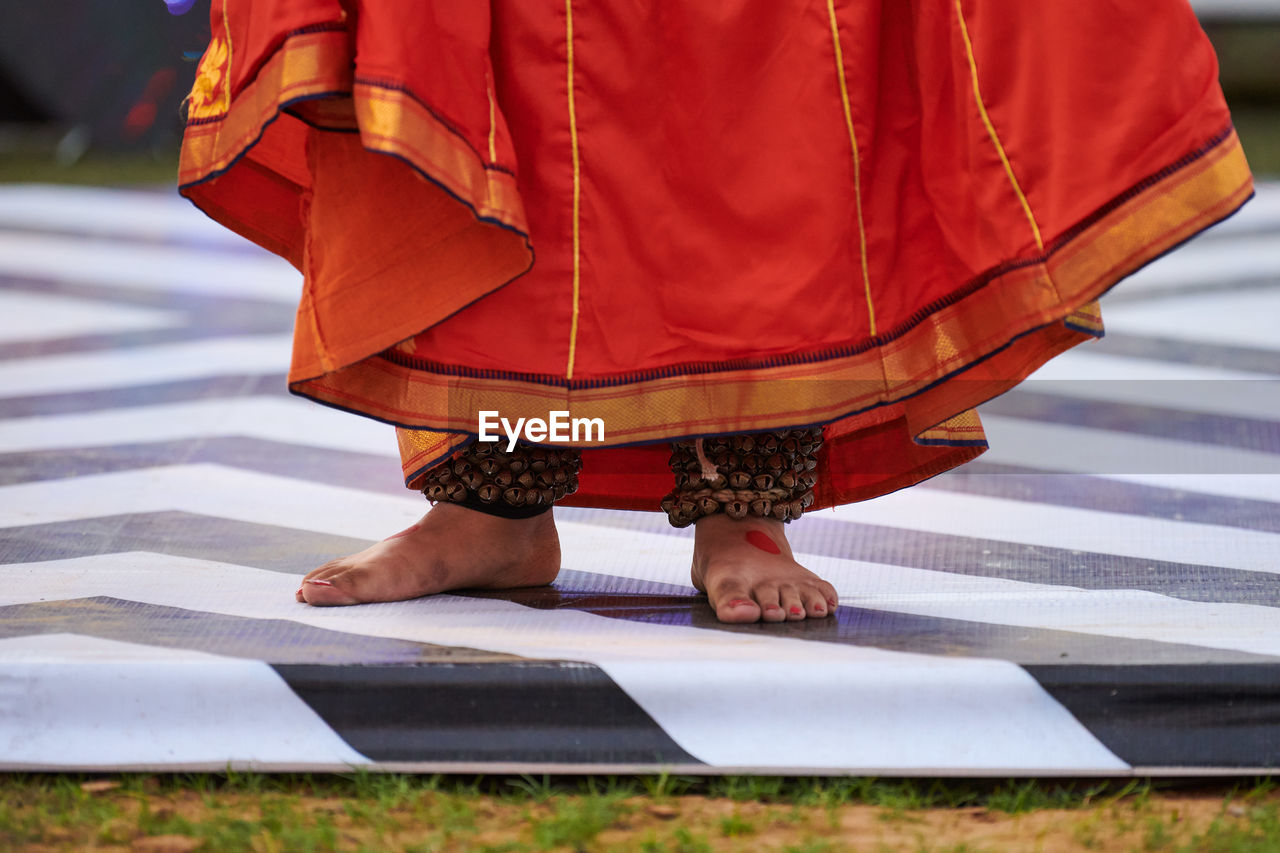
[1093, 363]
[1206, 264]
[249, 354]
[1241, 318]
[212, 490]
[266, 499]
[1069, 528]
[1141, 382]
[1119, 612]
[75, 701]
[281, 419]
[127, 214]
[38, 316]
[1262, 212]
[874, 709]
[1246, 10]
[164, 268]
[1131, 458]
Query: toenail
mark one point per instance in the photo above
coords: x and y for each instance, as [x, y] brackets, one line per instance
[818, 608]
[739, 602]
[320, 583]
[796, 611]
[299, 592]
[773, 607]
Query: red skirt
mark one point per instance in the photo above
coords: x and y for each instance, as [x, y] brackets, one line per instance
[693, 219]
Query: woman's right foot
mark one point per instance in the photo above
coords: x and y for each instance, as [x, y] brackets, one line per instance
[749, 574]
[451, 547]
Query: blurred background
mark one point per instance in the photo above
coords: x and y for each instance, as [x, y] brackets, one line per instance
[91, 90]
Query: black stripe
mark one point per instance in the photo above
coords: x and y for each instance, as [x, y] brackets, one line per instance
[1085, 492]
[270, 640]
[396, 700]
[664, 604]
[293, 551]
[207, 316]
[219, 309]
[1048, 403]
[379, 473]
[178, 391]
[178, 534]
[1175, 715]
[993, 558]
[530, 711]
[1178, 351]
[1198, 287]
[365, 471]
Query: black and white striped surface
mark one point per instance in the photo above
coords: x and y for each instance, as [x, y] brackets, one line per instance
[1099, 594]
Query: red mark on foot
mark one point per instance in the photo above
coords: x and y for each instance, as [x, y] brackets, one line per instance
[404, 532]
[739, 602]
[796, 611]
[763, 542]
[321, 583]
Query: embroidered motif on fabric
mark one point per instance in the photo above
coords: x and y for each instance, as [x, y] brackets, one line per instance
[211, 94]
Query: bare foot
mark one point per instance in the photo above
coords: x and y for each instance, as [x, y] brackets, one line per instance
[748, 572]
[451, 547]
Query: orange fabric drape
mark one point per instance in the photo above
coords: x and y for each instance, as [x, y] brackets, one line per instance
[700, 218]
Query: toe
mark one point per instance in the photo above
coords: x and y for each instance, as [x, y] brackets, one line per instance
[792, 603]
[333, 589]
[770, 604]
[733, 603]
[829, 595]
[816, 603]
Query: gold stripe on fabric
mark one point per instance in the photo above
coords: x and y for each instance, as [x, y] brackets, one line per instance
[493, 125]
[394, 122]
[991, 129]
[390, 121]
[577, 195]
[857, 162]
[1011, 307]
[226, 31]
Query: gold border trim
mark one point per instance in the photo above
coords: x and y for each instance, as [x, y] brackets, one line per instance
[1033, 298]
[390, 121]
[394, 122]
[305, 65]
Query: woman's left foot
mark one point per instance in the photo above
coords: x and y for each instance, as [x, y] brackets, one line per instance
[749, 574]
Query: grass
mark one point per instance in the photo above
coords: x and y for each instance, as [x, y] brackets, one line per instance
[94, 169]
[370, 811]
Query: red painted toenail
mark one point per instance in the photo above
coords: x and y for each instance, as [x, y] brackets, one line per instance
[796, 611]
[818, 608]
[773, 607]
[763, 542]
[320, 583]
[739, 602]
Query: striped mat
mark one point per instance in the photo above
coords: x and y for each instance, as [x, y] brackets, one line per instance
[1098, 594]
